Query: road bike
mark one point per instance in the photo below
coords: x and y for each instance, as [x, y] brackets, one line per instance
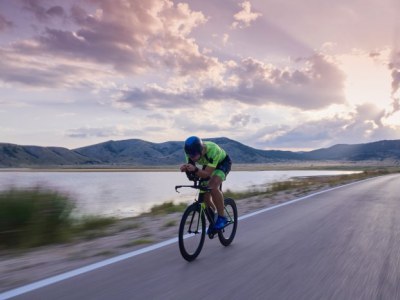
[192, 229]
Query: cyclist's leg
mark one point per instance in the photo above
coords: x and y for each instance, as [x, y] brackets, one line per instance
[216, 194]
[208, 201]
[217, 177]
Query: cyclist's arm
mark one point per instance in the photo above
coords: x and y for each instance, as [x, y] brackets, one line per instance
[206, 173]
[186, 167]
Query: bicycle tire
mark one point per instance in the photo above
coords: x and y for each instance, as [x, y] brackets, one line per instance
[192, 224]
[227, 234]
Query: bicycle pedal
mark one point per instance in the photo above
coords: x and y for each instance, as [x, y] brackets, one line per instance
[211, 236]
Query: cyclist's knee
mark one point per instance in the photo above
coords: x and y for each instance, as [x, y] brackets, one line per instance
[215, 189]
[215, 192]
[214, 183]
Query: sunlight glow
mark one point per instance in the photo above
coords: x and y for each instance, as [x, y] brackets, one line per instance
[368, 79]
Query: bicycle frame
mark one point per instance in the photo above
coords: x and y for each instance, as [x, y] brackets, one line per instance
[202, 211]
[203, 207]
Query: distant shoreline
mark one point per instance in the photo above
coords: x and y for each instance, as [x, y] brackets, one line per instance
[278, 166]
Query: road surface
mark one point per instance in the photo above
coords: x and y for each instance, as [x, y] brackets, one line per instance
[342, 244]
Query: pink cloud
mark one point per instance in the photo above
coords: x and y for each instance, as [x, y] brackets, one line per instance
[132, 36]
[244, 17]
[394, 66]
[316, 85]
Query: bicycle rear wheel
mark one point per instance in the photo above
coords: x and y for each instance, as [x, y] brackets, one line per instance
[192, 231]
[227, 234]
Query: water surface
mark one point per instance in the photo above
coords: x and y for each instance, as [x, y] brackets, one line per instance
[125, 194]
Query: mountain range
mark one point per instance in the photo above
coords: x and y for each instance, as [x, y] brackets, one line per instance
[135, 152]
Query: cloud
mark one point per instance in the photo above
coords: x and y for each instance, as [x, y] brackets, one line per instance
[42, 73]
[359, 126]
[41, 12]
[316, 85]
[4, 23]
[136, 36]
[154, 96]
[131, 36]
[394, 66]
[190, 121]
[225, 39]
[240, 120]
[102, 132]
[244, 17]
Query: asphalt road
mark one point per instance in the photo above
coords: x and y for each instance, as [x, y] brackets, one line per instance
[343, 244]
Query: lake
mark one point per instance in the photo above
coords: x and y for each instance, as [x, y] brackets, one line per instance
[125, 194]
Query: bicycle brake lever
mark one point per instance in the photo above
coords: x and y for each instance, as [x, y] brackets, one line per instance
[176, 188]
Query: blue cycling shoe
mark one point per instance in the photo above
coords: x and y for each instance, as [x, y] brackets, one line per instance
[221, 223]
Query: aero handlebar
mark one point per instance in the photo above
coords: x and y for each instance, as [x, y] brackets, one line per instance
[196, 186]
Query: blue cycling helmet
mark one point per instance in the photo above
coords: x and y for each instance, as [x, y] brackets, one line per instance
[193, 146]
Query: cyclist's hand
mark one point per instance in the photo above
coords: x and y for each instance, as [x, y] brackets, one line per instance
[184, 168]
[190, 168]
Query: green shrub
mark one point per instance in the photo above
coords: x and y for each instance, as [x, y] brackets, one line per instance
[170, 223]
[33, 217]
[167, 208]
[94, 222]
[237, 195]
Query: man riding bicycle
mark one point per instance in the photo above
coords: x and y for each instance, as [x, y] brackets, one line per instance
[216, 166]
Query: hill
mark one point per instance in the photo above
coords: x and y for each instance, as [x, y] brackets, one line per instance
[135, 152]
[139, 152]
[381, 150]
[12, 155]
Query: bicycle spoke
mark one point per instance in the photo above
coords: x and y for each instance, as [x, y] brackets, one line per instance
[193, 224]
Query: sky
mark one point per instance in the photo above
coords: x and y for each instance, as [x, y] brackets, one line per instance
[272, 74]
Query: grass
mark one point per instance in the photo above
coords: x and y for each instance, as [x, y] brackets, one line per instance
[170, 223]
[34, 217]
[132, 226]
[38, 216]
[304, 184]
[167, 208]
[94, 223]
[244, 194]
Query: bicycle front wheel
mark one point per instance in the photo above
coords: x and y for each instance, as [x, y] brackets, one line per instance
[192, 232]
[227, 234]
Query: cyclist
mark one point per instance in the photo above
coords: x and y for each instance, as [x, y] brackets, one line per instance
[216, 166]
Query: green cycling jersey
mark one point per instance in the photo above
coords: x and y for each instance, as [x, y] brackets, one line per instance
[213, 156]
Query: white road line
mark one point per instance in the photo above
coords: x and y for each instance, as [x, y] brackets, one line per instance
[297, 200]
[51, 280]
